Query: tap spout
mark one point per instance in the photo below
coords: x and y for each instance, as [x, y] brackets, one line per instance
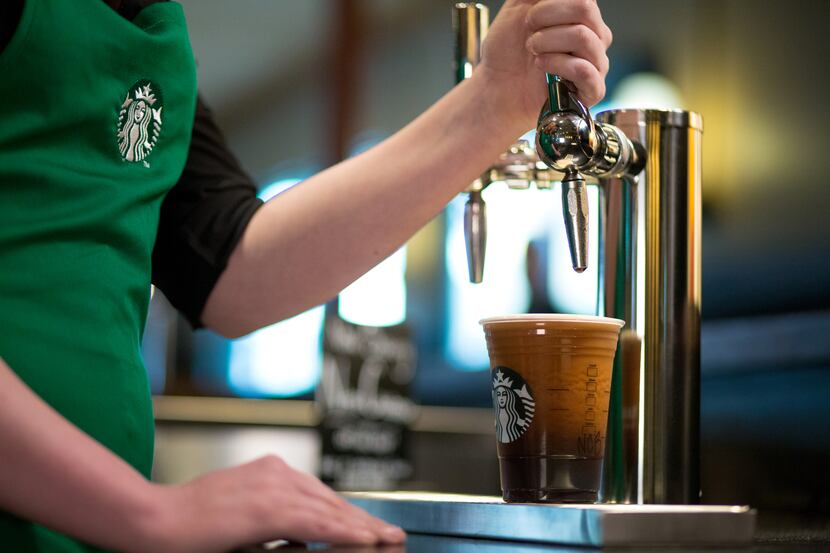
[475, 233]
[575, 214]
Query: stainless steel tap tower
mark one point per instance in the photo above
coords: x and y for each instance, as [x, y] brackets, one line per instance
[647, 166]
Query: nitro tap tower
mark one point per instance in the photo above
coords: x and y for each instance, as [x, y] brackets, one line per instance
[646, 164]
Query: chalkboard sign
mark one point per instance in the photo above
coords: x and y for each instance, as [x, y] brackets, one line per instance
[365, 403]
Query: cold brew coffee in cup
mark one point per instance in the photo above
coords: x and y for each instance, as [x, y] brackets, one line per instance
[551, 381]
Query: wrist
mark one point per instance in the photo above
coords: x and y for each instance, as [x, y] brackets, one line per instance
[155, 519]
[501, 104]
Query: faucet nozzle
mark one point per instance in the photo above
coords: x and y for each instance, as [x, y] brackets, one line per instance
[575, 213]
[475, 231]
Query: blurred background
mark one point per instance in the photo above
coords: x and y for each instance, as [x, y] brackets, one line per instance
[297, 86]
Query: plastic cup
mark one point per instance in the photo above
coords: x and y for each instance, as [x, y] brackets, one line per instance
[551, 381]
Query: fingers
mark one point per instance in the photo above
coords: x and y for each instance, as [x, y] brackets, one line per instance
[311, 525]
[552, 13]
[386, 532]
[589, 81]
[577, 40]
[315, 520]
[348, 514]
[569, 38]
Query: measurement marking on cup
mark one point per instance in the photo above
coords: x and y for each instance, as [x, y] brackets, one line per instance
[559, 389]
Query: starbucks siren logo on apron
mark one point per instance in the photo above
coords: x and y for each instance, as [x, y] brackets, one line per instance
[139, 121]
[513, 403]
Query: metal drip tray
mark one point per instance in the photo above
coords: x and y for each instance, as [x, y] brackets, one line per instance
[585, 525]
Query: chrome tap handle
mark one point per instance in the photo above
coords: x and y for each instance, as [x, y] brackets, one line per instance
[562, 97]
[557, 98]
[470, 21]
[567, 137]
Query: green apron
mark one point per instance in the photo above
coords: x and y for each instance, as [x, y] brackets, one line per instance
[96, 114]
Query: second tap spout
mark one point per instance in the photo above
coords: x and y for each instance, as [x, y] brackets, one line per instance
[475, 231]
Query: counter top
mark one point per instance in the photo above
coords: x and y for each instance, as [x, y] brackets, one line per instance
[776, 532]
[441, 544]
[591, 525]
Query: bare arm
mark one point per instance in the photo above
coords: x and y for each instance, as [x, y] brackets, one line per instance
[304, 246]
[54, 474]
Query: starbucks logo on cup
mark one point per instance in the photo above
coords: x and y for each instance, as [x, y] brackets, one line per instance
[513, 404]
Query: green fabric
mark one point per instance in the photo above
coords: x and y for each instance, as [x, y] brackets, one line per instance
[80, 193]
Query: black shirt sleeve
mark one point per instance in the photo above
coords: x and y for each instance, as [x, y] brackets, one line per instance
[202, 219]
[10, 12]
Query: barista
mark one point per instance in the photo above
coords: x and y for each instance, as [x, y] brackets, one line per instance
[112, 173]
